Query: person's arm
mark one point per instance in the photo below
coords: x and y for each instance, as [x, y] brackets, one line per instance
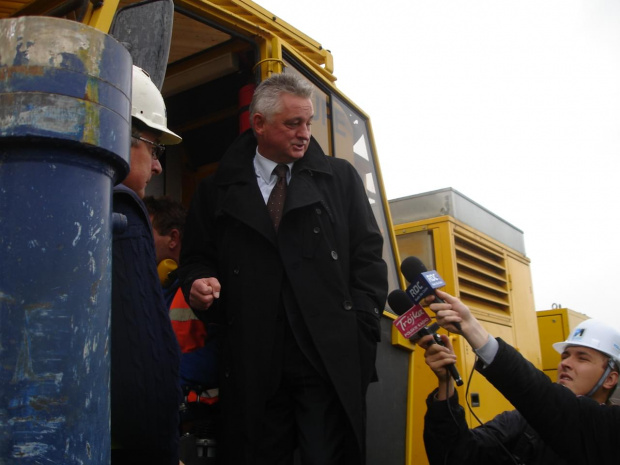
[446, 433]
[451, 311]
[368, 278]
[197, 270]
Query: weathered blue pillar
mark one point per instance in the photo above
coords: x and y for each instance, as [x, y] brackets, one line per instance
[65, 92]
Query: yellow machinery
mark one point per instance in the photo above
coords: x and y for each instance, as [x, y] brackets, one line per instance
[482, 261]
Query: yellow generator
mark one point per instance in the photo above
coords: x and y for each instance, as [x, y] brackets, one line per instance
[482, 260]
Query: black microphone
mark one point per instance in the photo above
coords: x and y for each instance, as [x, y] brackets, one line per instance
[422, 282]
[410, 317]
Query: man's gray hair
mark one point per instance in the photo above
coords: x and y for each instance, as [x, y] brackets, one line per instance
[266, 99]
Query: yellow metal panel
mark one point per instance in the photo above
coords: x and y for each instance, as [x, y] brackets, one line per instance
[101, 18]
[524, 311]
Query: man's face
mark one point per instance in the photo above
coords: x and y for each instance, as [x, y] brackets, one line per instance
[581, 368]
[142, 164]
[284, 138]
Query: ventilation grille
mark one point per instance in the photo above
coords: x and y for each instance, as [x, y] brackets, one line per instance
[482, 275]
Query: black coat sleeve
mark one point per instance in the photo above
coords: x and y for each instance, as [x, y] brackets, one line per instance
[198, 255]
[448, 439]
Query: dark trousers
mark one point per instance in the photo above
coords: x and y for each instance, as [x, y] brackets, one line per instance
[304, 412]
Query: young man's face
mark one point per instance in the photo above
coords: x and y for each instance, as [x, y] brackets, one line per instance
[285, 137]
[581, 368]
[142, 165]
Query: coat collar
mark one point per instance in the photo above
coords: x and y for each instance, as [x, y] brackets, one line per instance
[242, 198]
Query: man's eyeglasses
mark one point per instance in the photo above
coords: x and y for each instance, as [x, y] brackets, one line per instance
[157, 150]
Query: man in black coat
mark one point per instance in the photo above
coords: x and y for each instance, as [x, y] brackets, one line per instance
[301, 298]
[570, 421]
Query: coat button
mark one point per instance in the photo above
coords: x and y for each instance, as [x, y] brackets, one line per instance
[334, 255]
[348, 305]
[318, 211]
[316, 230]
[236, 271]
[376, 310]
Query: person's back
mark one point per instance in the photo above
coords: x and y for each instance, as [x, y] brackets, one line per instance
[144, 389]
[145, 396]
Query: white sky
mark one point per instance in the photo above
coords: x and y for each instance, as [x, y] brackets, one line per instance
[515, 104]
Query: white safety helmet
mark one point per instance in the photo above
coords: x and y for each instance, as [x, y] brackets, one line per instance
[147, 105]
[596, 335]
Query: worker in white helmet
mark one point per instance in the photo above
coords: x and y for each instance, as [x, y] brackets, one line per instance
[590, 360]
[573, 426]
[144, 385]
[149, 132]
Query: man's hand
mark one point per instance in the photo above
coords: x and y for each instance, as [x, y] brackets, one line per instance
[203, 292]
[455, 311]
[437, 357]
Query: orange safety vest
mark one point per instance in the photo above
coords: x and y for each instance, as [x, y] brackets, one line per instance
[190, 331]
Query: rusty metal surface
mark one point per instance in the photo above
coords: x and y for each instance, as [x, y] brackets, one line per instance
[64, 140]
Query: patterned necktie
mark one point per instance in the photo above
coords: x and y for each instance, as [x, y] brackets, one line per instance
[275, 204]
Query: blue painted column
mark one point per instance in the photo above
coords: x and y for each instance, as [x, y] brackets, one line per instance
[65, 92]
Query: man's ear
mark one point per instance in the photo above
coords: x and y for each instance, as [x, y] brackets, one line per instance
[175, 238]
[258, 122]
[611, 380]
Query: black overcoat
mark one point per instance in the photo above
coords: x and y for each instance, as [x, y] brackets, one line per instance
[328, 246]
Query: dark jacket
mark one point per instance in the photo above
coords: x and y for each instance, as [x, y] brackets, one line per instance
[577, 428]
[144, 387]
[328, 248]
[448, 439]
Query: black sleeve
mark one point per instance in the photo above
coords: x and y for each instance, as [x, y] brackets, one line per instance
[198, 255]
[448, 439]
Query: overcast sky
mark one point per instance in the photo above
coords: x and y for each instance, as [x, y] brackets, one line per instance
[515, 104]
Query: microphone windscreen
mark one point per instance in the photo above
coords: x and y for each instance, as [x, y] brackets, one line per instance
[399, 302]
[411, 268]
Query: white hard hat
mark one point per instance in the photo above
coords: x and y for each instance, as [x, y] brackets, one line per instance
[147, 105]
[596, 335]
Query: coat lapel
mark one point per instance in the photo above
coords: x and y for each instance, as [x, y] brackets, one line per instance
[240, 196]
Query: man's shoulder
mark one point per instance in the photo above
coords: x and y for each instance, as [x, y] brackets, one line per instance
[127, 203]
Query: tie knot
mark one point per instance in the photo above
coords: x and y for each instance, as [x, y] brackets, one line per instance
[281, 170]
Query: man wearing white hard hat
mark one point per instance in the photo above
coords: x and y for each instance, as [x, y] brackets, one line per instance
[551, 424]
[590, 360]
[144, 386]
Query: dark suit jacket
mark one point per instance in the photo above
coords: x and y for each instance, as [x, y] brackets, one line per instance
[328, 247]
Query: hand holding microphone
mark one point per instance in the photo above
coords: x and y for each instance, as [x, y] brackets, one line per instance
[438, 358]
[413, 324]
[451, 312]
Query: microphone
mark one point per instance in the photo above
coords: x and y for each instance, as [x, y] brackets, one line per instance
[422, 282]
[412, 324]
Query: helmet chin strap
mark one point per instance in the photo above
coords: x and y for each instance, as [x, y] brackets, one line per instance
[610, 366]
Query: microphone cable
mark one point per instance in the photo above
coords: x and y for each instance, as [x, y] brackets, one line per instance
[471, 410]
